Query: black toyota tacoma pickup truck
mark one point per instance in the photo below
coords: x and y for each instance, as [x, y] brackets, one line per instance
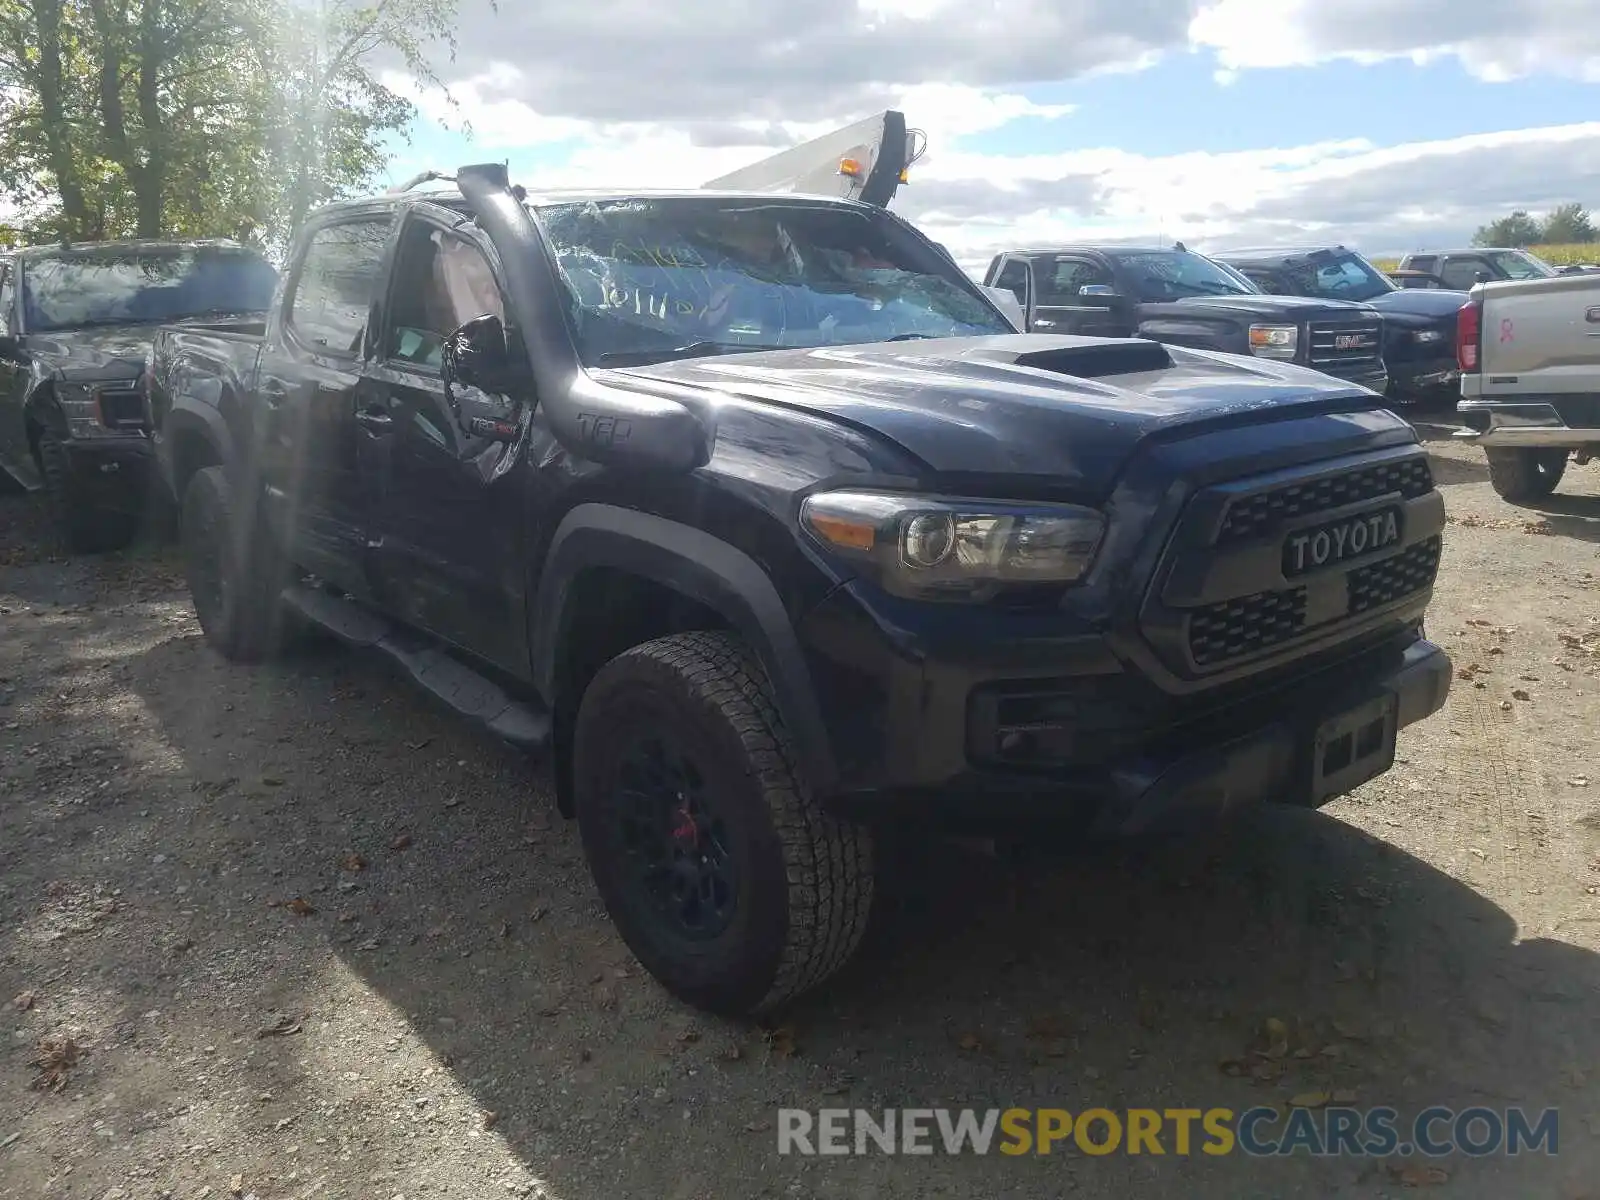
[1419, 326]
[756, 515]
[1175, 296]
[76, 323]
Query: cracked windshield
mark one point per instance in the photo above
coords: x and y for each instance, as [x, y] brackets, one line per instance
[648, 277]
[854, 600]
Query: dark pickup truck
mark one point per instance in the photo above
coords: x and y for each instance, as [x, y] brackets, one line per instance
[1175, 296]
[1461, 270]
[75, 329]
[754, 513]
[1419, 327]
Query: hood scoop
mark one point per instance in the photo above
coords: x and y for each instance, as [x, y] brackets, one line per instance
[1098, 359]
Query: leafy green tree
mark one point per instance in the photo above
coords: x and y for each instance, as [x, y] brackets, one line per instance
[1519, 229]
[1567, 224]
[201, 117]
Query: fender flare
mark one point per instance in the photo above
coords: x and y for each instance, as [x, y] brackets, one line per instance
[186, 420]
[707, 570]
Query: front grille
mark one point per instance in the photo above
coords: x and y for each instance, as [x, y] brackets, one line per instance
[1254, 515]
[1219, 632]
[1384, 582]
[1327, 351]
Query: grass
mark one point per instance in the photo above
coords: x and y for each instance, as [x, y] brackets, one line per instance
[1556, 256]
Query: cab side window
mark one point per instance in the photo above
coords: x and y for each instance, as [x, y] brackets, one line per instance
[1065, 276]
[1460, 274]
[1014, 278]
[339, 278]
[442, 281]
[8, 293]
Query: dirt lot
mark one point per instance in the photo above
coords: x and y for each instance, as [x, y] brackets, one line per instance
[310, 937]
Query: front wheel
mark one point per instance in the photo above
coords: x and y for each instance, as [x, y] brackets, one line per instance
[726, 880]
[1526, 474]
[88, 519]
[236, 575]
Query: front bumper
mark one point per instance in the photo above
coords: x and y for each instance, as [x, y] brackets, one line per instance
[119, 467]
[924, 741]
[1376, 378]
[1532, 422]
[1424, 374]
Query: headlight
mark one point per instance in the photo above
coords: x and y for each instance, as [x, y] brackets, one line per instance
[82, 410]
[1274, 341]
[1429, 335]
[944, 548]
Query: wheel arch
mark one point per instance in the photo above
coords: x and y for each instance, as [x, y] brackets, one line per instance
[718, 585]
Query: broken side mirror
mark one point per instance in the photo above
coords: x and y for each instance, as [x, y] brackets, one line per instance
[478, 354]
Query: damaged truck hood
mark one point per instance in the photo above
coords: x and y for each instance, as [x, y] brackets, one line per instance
[1069, 408]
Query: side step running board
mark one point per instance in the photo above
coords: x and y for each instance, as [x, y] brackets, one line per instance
[465, 691]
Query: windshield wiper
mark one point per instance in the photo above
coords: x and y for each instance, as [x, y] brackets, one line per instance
[906, 337]
[699, 349]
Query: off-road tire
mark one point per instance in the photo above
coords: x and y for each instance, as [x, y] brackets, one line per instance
[236, 574]
[85, 523]
[1519, 475]
[806, 877]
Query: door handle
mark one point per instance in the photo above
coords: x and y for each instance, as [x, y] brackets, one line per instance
[1040, 324]
[374, 419]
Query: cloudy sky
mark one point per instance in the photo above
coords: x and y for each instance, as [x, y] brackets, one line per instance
[1391, 125]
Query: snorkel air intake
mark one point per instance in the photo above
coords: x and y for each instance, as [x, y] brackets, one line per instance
[596, 422]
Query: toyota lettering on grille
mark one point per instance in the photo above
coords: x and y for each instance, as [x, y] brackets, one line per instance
[1336, 541]
[1349, 341]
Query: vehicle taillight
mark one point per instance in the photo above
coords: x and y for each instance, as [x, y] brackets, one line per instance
[1469, 324]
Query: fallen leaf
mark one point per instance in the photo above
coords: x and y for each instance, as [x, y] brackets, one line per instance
[271, 781]
[425, 742]
[1234, 1067]
[1520, 694]
[453, 802]
[54, 1058]
[401, 842]
[757, 1127]
[348, 918]
[538, 914]
[1505, 706]
[282, 1027]
[1308, 1100]
[299, 907]
[236, 1184]
[1416, 1175]
[490, 1120]
[352, 863]
[970, 1041]
[25, 1001]
[1276, 1035]
[780, 1042]
[689, 1036]
[732, 1052]
[1579, 781]
[605, 996]
[505, 929]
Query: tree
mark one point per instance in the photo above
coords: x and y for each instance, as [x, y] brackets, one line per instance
[1519, 229]
[200, 117]
[1567, 224]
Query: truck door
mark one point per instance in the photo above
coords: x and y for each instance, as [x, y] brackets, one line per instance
[306, 388]
[447, 521]
[1078, 295]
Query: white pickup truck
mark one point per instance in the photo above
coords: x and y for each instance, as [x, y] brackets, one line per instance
[1529, 353]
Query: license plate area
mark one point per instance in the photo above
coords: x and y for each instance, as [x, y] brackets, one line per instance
[1353, 747]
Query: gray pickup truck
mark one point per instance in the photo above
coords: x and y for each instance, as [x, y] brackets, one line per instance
[1530, 379]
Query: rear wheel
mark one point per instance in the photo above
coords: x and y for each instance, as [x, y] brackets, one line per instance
[236, 574]
[88, 521]
[1526, 474]
[726, 880]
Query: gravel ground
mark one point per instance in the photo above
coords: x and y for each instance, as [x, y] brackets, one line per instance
[287, 931]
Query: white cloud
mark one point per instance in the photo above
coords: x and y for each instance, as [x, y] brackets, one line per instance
[644, 94]
[1496, 40]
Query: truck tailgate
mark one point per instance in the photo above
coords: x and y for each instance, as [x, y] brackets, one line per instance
[1541, 336]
